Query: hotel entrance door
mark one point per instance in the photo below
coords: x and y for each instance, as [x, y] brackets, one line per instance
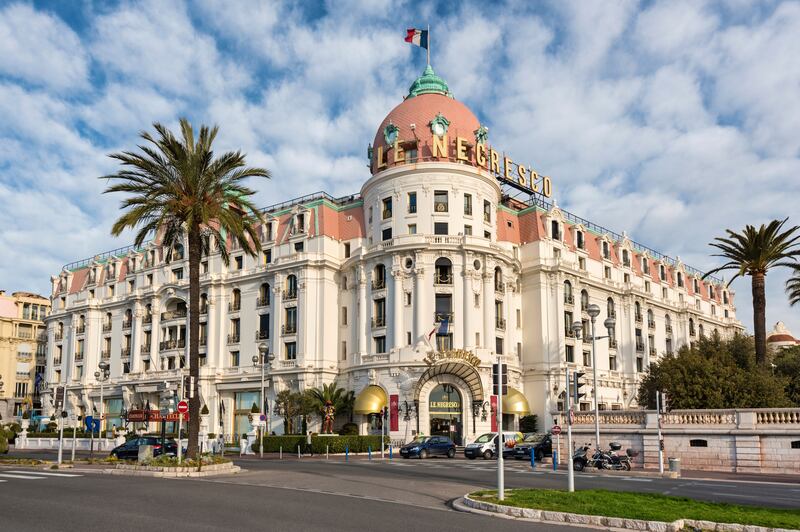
[445, 413]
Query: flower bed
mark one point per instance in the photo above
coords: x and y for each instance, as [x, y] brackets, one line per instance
[334, 444]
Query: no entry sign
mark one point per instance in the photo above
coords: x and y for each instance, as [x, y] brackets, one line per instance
[556, 430]
[183, 407]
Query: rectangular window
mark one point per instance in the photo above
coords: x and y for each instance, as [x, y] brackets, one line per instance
[347, 250]
[291, 350]
[568, 324]
[408, 337]
[131, 285]
[645, 266]
[440, 228]
[412, 229]
[412, 202]
[110, 291]
[468, 204]
[386, 213]
[579, 242]
[587, 359]
[487, 211]
[267, 256]
[647, 286]
[468, 230]
[239, 262]
[555, 230]
[639, 364]
[570, 353]
[519, 318]
[487, 235]
[440, 201]
[386, 234]
[607, 272]
[344, 350]
[612, 362]
[408, 299]
[380, 344]
[344, 315]
[291, 320]
[177, 274]
[379, 313]
[204, 267]
[582, 264]
[626, 278]
[263, 327]
[444, 342]
[411, 155]
[498, 345]
[234, 359]
[298, 247]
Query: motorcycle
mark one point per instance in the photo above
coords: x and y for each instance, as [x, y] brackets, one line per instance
[609, 460]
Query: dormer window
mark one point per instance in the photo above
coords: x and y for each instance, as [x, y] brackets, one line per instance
[680, 280]
[579, 240]
[555, 230]
[301, 223]
[662, 272]
[606, 250]
[645, 266]
[696, 286]
[626, 259]
[710, 292]
[267, 231]
[725, 297]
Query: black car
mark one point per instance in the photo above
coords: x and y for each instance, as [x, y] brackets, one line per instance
[540, 443]
[425, 446]
[130, 449]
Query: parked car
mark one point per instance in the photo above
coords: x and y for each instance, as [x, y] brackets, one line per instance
[130, 449]
[541, 444]
[425, 446]
[485, 445]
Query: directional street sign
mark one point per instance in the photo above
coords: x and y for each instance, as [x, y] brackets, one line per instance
[183, 407]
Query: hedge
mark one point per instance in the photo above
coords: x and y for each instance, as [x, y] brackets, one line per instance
[3, 445]
[335, 444]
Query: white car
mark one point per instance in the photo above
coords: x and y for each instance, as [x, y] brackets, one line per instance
[486, 444]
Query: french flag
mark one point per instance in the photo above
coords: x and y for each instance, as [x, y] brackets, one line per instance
[417, 37]
[441, 328]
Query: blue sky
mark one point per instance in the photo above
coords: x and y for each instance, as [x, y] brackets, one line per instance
[669, 120]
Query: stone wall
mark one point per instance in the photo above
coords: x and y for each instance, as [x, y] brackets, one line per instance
[747, 441]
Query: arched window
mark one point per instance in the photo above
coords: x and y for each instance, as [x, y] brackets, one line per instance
[668, 323]
[291, 287]
[691, 327]
[651, 322]
[626, 258]
[379, 277]
[710, 292]
[344, 282]
[700, 329]
[725, 297]
[584, 300]
[107, 322]
[568, 299]
[637, 311]
[444, 271]
[680, 280]
[263, 295]
[498, 280]
[128, 319]
[128, 314]
[177, 252]
[236, 300]
[612, 313]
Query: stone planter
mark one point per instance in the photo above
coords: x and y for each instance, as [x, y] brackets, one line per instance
[172, 472]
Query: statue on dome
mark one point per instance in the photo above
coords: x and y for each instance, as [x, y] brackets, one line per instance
[329, 412]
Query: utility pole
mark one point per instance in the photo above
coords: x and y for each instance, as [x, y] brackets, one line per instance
[568, 408]
[660, 438]
[500, 387]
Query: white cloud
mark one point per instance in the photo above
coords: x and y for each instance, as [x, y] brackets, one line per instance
[40, 49]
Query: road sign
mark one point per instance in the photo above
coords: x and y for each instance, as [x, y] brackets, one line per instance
[556, 430]
[262, 417]
[59, 399]
[183, 407]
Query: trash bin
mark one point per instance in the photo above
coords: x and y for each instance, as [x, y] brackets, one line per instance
[674, 465]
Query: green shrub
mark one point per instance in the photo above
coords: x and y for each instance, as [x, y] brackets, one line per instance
[335, 444]
[204, 410]
[349, 429]
[528, 423]
[3, 445]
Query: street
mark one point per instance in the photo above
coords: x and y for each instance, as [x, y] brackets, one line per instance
[318, 494]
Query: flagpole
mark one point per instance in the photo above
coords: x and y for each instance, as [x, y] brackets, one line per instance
[428, 49]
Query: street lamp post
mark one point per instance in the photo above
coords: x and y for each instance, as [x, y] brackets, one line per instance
[101, 376]
[263, 359]
[593, 311]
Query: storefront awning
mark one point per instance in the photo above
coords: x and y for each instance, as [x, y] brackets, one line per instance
[515, 403]
[370, 401]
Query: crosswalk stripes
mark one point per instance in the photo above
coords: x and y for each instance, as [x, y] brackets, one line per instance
[33, 475]
[47, 474]
[26, 477]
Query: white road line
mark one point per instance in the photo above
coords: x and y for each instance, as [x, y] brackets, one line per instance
[3, 481]
[46, 474]
[25, 477]
[632, 479]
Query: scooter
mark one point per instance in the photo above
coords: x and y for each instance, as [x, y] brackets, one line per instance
[581, 458]
[608, 460]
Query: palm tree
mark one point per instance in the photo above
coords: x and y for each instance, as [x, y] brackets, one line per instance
[753, 252]
[178, 188]
[341, 399]
[793, 286]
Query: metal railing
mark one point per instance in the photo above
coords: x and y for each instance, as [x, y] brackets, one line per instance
[262, 335]
[234, 306]
[173, 314]
[441, 316]
[105, 353]
[290, 295]
[263, 301]
[289, 329]
[612, 343]
[378, 284]
[569, 299]
[443, 279]
[126, 324]
[500, 324]
[379, 322]
[233, 338]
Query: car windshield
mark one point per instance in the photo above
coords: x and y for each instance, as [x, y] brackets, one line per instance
[485, 438]
[534, 438]
[421, 439]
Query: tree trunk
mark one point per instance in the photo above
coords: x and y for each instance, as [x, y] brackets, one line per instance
[195, 251]
[760, 318]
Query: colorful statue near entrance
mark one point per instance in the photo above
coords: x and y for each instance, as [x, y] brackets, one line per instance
[329, 412]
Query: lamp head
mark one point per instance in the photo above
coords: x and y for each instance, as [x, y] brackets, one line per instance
[103, 365]
[255, 359]
[577, 327]
[271, 357]
[593, 310]
[263, 348]
[96, 374]
[609, 323]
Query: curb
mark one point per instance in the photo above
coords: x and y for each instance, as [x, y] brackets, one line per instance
[467, 504]
[148, 471]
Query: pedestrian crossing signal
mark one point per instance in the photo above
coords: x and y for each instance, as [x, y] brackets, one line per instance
[500, 379]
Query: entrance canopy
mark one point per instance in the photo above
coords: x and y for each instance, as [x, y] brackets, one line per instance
[515, 403]
[370, 401]
[462, 370]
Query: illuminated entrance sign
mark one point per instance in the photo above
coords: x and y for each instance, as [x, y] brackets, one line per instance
[454, 355]
[502, 167]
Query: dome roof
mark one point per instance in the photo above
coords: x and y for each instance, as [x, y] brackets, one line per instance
[777, 338]
[410, 124]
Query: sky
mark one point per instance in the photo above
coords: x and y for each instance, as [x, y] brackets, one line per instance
[669, 120]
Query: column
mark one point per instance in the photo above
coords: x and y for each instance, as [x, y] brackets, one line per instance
[420, 293]
[397, 307]
[136, 335]
[277, 317]
[488, 308]
[155, 335]
[468, 335]
[362, 310]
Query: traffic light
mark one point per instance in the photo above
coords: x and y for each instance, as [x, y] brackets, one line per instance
[578, 391]
[500, 379]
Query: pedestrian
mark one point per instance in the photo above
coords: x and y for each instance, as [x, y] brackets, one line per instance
[242, 444]
[309, 449]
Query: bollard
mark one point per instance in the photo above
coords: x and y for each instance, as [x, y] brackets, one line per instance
[298, 451]
[280, 453]
[390, 452]
[346, 453]
[555, 460]
[326, 451]
[369, 452]
[533, 459]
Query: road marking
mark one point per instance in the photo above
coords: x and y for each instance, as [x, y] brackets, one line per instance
[46, 474]
[25, 477]
[3, 481]
[638, 479]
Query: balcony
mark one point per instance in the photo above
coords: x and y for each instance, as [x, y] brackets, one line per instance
[441, 316]
[290, 328]
[612, 313]
[639, 347]
[378, 284]
[148, 318]
[386, 214]
[500, 324]
[262, 335]
[692, 333]
[668, 329]
[380, 321]
[653, 352]
[289, 295]
[500, 288]
[78, 357]
[569, 299]
[612, 343]
[443, 279]
[568, 332]
[105, 353]
[262, 301]
[652, 325]
[203, 309]
[57, 361]
[233, 338]
[234, 306]
[107, 327]
[126, 352]
[145, 349]
[203, 340]
[24, 357]
[166, 345]
[126, 324]
[58, 336]
[638, 318]
[173, 314]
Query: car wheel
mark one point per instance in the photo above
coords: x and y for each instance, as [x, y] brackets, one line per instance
[423, 454]
[578, 465]
[539, 456]
[471, 457]
[487, 455]
[405, 457]
[451, 453]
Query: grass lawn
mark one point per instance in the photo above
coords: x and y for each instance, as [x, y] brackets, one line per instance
[647, 506]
